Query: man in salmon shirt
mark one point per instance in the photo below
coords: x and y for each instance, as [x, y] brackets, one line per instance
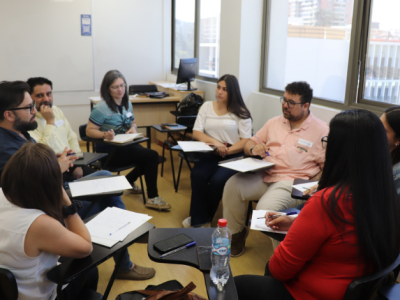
[293, 143]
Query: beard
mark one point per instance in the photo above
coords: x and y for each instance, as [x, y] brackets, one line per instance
[290, 117]
[48, 103]
[23, 125]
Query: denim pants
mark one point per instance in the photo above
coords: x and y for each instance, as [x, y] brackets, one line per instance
[208, 181]
[105, 202]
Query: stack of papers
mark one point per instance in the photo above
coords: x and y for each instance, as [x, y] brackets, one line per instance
[98, 186]
[247, 164]
[194, 146]
[304, 186]
[259, 224]
[113, 225]
[124, 138]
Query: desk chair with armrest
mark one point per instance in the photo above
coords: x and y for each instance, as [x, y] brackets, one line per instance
[100, 165]
[9, 288]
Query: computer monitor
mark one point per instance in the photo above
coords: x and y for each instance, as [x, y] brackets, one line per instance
[187, 71]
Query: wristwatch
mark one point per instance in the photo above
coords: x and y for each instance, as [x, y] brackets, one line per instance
[76, 206]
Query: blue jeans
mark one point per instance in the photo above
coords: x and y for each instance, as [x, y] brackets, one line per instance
[208, 182]
[116, 201]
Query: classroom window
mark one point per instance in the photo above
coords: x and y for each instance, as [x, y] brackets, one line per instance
[196, 29]
[307, 41]
[382, 64]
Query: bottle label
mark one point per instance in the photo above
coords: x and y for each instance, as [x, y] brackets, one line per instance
[221, 246]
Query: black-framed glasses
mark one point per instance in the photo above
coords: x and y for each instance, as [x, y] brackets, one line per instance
[324, 141]
[30, 107]
[289, 103]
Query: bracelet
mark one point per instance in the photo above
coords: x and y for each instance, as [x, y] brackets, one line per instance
[76, 206]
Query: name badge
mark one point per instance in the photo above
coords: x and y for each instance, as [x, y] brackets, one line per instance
[59, 123]
[305, 143]
[229, 122]
[129, 114]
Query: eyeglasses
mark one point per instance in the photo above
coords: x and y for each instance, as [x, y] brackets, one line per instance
[30, 107]
[116, 87]
[324, 141]
[289, 103]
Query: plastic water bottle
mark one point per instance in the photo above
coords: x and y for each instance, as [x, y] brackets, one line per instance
[221, 254]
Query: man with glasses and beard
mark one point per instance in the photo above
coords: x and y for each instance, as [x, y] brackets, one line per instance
[17, 116]
[293, 143]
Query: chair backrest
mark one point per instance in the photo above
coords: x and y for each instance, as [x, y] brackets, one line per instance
[8, 285]
[143, 88]
[364, 287]
[82, 132]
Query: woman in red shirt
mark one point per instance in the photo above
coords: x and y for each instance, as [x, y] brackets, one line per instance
[348, 229]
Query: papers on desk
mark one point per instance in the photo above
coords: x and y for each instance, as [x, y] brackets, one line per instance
[247, 164]
[304, 186]
[113, 225]
[98, 186]
[194, 147]
[259, 224]
[167, 85]
[124, 138]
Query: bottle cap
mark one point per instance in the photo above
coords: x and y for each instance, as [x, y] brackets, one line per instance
[222, 222]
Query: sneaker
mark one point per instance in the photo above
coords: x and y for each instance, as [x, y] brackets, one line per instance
[187, 223]
[238, 242]
[135, 189]
[157, 203]
[137, 273]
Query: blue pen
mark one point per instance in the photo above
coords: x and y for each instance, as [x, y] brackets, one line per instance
[276, 216]
[261, 143]
[179, 249]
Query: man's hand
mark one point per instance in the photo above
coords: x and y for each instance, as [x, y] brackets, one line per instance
[282, 223]
[260, 150]
[77, 173]
[66, 161]
[131, 130]
[311, 190]
[48, 114]
[109, 135]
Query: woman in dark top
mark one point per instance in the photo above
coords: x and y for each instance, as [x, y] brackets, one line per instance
[114, 115]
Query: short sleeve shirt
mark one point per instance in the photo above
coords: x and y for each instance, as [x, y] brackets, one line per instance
[107, 119]
[296, 153]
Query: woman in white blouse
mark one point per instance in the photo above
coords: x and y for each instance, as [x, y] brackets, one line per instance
[226, 124]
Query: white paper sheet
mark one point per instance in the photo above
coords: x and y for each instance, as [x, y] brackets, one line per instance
[259, 224]
[247, 164]
[304, 186]
[97, 186]
[194, 146]
[114, 224]
[124, 138]
[167, 85]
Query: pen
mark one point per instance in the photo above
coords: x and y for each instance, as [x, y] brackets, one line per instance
[261, 143]
[276, 216]
[69, 154]
[179, 249]
[119, 228]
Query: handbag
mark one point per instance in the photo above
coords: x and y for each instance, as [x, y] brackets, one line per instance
[154, 294]
[190, 105]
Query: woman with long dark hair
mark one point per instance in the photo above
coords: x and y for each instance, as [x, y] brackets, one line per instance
[226, 124]
[32, 235]
[114, 115]
[391, 122]
[348, 229]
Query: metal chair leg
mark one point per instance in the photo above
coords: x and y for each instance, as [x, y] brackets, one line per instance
[173, 169]
[179, 175]
[162, 164]
[142, 186]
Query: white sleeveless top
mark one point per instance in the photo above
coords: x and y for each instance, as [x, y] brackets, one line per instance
[30, 272]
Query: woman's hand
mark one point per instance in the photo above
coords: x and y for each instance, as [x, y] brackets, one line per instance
[65, 201]
[222, 150]
[282, 223]
[109, 135]
[311, 190]
[65, 160]
[131, 130]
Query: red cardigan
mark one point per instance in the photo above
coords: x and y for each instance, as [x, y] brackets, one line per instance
[317, 260]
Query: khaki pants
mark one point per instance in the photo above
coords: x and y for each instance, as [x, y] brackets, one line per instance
[243, 187]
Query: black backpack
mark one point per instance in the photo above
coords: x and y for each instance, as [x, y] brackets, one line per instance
[190, 105]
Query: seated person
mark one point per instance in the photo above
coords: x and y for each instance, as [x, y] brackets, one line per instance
[343, 232]
[32, 234]
[226, 124]
[17, 116]
[293, 143]
[114, 115]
